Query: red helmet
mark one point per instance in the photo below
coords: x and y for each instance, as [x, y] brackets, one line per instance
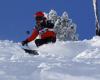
[39, 14]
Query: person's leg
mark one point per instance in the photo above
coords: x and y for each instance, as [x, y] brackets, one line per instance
[40, 42]
[53, 39]
[49, 39]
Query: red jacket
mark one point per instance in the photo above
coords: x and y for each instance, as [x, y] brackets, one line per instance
[44, 35]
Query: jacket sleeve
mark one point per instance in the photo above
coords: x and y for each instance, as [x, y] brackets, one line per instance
[33, 36]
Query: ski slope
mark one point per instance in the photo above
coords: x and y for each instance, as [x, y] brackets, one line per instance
[71, 60]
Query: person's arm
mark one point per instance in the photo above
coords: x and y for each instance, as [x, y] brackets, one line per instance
[33, 36]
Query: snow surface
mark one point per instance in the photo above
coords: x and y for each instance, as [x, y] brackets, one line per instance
[71, 60]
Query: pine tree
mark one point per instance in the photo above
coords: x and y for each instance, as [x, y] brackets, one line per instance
[63, 26]
[52, 16]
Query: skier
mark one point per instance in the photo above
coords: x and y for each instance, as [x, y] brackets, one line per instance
[43, 28]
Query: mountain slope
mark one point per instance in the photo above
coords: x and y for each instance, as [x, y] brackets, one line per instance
[71, 60]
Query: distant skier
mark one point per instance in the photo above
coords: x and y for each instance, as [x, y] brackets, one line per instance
[43, 28]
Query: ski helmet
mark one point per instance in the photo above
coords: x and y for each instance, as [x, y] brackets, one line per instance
[39, 14]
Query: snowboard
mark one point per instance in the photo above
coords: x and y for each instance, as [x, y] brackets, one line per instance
[31, 52]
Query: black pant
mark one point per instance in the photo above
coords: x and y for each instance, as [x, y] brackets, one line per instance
[40, 42]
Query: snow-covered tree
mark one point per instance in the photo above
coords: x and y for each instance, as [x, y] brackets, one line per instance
[58, 28]
[71, 32]
[52, 16]
[64, 27]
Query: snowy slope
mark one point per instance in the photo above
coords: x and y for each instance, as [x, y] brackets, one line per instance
[71, 60]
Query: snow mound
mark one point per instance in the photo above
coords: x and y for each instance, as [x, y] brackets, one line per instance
[70, 60]
[76, 50]
[92, 53]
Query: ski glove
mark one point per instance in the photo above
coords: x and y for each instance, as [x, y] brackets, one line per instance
[24, 42]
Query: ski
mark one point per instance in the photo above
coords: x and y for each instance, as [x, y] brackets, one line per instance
[33, 52]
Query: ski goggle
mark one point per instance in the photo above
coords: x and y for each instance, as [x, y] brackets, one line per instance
[39, 18]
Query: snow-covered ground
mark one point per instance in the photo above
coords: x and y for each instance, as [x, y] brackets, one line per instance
[71, 60]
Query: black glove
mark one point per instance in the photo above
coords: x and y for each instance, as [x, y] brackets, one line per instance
[24, 42]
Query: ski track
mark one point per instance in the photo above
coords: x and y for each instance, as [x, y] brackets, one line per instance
[71, 60]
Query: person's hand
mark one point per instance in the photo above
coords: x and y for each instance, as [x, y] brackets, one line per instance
[24, 42]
